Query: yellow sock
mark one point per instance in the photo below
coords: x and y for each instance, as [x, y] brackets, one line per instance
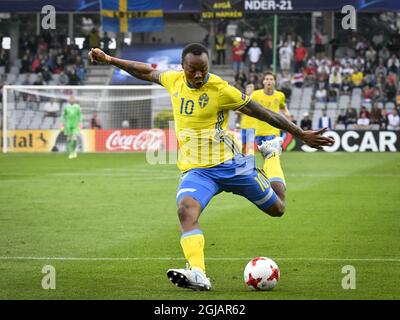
[273, 169]
[192, 243]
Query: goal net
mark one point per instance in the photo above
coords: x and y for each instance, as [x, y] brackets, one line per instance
[114, 118]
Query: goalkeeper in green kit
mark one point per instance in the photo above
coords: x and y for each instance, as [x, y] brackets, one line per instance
[71, 123]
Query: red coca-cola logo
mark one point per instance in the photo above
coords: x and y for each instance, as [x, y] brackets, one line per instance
[143, 141]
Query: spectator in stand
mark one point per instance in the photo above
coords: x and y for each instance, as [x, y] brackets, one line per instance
[51, 108]
[390, 91]
[351, 116]
[63, 79]
[346, 84]
[105, 42]
[238, 55]
[393, 120]
[268, 52]
[321, 94]
[364, 110]
[383, 120]
[239, 85]
[285, 57]
[335, 79]
[253, 79]
[241, 76]
[324, 121]
[363, 123]
[47, 76]
[73, 78]
[255, 55]
[220, 46]
[300, 56]
[380, 69]
[357, 78]
[377, 95]
[94, 121]
[341, 119]
[306, 123]
[393, 64]
[384, 54]
[376, 114]
[323, 72]
[368, 93]
[94, 39]
[285, 84]
[310, 74]
[293, 119]
[318, 42]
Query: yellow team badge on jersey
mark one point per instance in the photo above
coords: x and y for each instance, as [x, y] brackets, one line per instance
[203, 100]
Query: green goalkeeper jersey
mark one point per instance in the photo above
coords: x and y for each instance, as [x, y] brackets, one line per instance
[71, 117]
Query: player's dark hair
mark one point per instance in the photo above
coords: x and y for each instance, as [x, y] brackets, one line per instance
[269, 73]
[195, 48]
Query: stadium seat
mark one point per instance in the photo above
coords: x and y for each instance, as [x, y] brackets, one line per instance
[11, 78]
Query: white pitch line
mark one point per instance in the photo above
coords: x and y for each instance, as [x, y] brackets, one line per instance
[211, 258]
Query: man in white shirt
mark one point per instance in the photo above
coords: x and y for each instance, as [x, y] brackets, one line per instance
[285, 56]
[254, 54]
[363, 123]
[393, 120]
[51, 108]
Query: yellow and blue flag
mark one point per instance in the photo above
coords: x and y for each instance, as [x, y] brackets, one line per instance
[132, 15]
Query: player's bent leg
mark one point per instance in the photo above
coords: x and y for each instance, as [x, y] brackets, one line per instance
[192, 242]
[194, 193]
[277, 209]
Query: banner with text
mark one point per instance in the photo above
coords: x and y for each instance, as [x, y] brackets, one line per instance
[352, 141]
[46, 141]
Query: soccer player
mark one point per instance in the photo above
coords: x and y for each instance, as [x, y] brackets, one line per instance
[71, 122]
[247, 123]
[209, 157]
[267, 134]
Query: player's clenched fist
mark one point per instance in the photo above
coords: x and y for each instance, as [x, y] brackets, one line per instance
[97, 55]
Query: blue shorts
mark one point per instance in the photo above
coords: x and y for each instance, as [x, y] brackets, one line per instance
[240, 176]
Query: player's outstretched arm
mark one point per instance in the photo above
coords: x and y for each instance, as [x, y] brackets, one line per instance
[312, 138]
[139, 70]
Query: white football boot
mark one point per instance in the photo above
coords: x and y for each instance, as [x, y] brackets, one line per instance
[190, 279]
[271, 148]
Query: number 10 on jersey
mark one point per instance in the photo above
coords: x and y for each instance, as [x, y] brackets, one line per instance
[187, 106]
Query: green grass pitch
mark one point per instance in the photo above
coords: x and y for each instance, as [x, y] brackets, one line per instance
[108, 225]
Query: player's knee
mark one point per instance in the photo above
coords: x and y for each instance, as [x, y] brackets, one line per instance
[188, 210]
[277, 210]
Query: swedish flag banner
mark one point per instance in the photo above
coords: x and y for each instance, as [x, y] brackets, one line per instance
[132, 15]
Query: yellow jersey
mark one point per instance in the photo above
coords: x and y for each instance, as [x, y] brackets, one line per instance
[247, 122]
[201, 119]
[274, 102]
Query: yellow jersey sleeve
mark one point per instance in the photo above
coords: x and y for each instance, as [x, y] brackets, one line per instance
[231, 98]
[168, 78]
[282, 103]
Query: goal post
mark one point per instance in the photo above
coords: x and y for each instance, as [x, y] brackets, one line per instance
[115, 118]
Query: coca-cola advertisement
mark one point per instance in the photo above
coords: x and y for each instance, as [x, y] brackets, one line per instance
[135, 140]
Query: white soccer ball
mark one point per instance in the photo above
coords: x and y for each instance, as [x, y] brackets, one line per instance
[261, 273]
